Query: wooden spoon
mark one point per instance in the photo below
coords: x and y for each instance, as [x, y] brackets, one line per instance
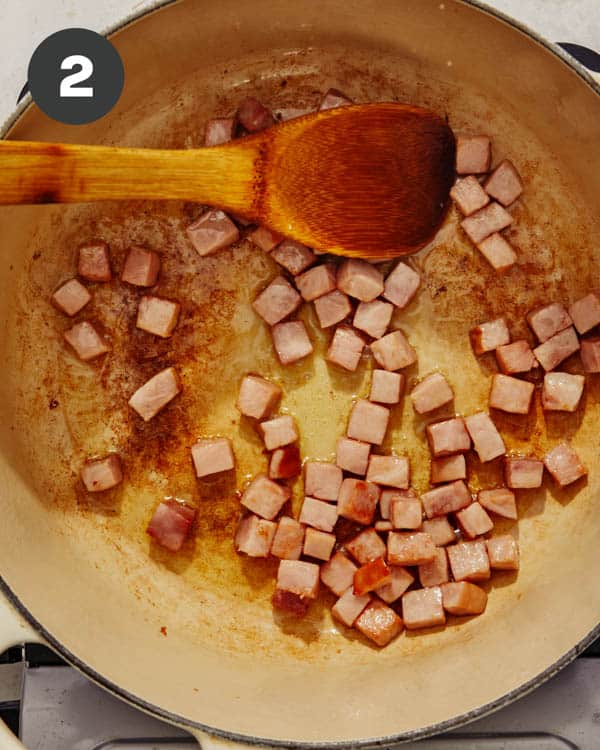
[365, 180]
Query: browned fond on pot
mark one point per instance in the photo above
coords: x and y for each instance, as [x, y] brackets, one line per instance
[84, 566]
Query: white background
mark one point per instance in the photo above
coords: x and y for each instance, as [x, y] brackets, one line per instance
[25, 23]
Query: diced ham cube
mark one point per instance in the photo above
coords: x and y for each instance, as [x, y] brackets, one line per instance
[366, 547]
[474, 521]
[435, 572]
[212, 456]
[99, 474]
[468, 195]
[71, 297]
[504, 184]
[585, 312]
[352, 455]
[316, 281]
[386, 387]
[264, 238]
[254, 536]
[291, 341]
[155, 394]
[590, 354]
[510, 394]
[219, 130]
[469, 561]
[338, 573]
[277, 301]
[278, 431]
[373, 317]
[288, 539]
[258, 397]
[360, 280]
[547, 321]
[368, 422]
[488, 220]
[473, 154]
[463, 598]
[498, 252]
[410, 548]
[401, 285]
[448, 436]
[334, 98]
[285, 462]
[388, 496]
[290, 603]
[170, 524]
[556, 349]
[318, 544]
[371, 576]
[298, 577]
[318, 514]
[431, 393]
[348, 607]
[500, 501]
[523, 473]
[448, 469]
[322, 480]
[213, 231]
[393, 351]
[562, 391]
[293, 256]
[515, 357]
[254, 116]
[86, 341]
[332, 308]
[489, 336]
[392, 471]
[346, 348]
[141, 267]
[487, 441]
[94, 262]
[158, 316]
[503, 552]
[357, 500]
[439, 530]
[564, 465]
[423, 608]
[406, 513]
[379, 623]
[265, 497]
[383, 526]
[448, 498]
[400, 581]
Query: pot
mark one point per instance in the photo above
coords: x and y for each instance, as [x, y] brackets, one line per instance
[191, 638]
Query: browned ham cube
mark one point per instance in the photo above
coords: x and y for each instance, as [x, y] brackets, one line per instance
[489, 336]
[498, 252]
[423, 608]
[409, 548]
[346, 348]
[348, 607]
[299, 577]
[318, 514]
[487, 441]
[219, 130]
[488, 220]
[463, 598]
[158, 316]
[473, 154]
[265, 497]
[562, 391]
[503, 552]
[504, 184]
[322, 480]
[401, 285]
[371, 576]
[510, 394]
[352, 455]
[383, 526]
[357, 500]
[515, 357]
[406, 513]
[556, 349]
[334, 98]
[564, 465]
[447, 498]
[474, 521]
[86, 341]
[523, 473]
[332, 308]
[316, 282]
[393, 351]
[141, 267]
[360, 280]
[435, 572]
[448, 469]
[439, 530]
[258, 397]
[265, 239]
[277, 301]
[291, 341]
[585, 312]
[401, 579]
[278, 431]
[293, 256]
[549, 320]
[213, 231]
[447, 437]
[94, 262]
[156, 393]
[500, 501]
[291, 604]
[392, 471]
[590, 354]
[386, 387]
[366, 547]
[285, 462]
[171, 523]
[468, 195]
[318, 544]
[379, 623]
[212, 456]
[254, 536]
[338, 573]
[71, 297]
[99, 474]
[288, 539]
[431, 393]
[368, 422]
[373, 317]
[469, 561]
[254, 116]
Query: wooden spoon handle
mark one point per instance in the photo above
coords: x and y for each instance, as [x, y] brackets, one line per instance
[62, 173]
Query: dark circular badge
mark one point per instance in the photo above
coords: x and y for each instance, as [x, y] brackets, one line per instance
[76, 76]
